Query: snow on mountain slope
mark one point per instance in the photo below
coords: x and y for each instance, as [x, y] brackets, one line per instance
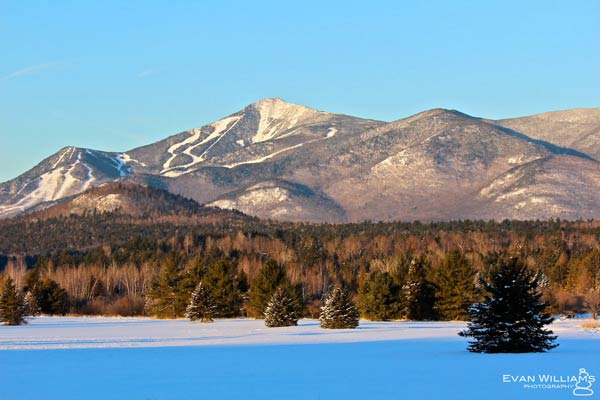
[578, 129]
[265, 158]
[283, 201]
[257, 133]
[286, 161]
[277, 117]
[562, 186]
[124, 198]
[432, 166]
[70, 171]
[220, 129]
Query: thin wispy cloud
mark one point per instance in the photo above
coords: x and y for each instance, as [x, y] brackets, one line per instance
[29, 71]
[147, 72]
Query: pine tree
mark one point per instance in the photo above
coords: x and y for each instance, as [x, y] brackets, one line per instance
[12, 306]
[339, 311]
[283, 308]
[418, 293]
[268, 278]
[201, 306]
[455, 288]
[378, 297]
[511, 318]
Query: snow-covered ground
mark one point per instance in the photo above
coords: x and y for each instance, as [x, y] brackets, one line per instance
[59, 333]
[137, 358]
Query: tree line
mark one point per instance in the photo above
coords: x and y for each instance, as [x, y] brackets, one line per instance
[509, 317]
[392, 270]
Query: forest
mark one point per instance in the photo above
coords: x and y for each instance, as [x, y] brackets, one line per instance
[116, 264]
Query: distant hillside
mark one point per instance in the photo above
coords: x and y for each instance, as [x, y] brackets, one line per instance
[578, 129]
[122, 198]
[112, 214]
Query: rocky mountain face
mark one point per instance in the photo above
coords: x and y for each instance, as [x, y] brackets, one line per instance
[290, 162]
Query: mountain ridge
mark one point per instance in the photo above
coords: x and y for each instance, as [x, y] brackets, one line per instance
[279, 160]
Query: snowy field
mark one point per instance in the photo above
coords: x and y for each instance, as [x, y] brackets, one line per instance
[136, 358]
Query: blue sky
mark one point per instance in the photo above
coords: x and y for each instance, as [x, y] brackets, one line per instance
[117, 75]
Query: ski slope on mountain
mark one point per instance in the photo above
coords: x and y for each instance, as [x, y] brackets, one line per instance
[435, 165]
[69, 172]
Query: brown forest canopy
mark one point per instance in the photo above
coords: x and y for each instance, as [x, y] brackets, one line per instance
[125, 253]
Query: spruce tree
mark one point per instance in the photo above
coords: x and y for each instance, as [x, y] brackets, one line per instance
[167, 297]
[50, 297]
[283, 308]
[223, 285]
[378, 297]
[268, 278]
[201, 306]
[12, 306]
[418, 293]
[455, 287]
[339, 311]
[511, 317]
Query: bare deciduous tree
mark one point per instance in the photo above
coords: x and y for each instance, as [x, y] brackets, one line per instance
[592, 301]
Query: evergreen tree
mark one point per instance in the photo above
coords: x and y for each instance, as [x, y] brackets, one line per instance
[339, 311]
[283, 308]
[31, 304]
[268, 278]
[168, 296]
[201, 306]
[379, 297]
[12, 306]
[511, 318]
[50, 297]
[455, 287]
[418, 293]
[223, 286]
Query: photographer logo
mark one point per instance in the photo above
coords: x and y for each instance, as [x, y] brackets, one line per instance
[579, 384]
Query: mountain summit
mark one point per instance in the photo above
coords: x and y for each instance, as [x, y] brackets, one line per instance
[279, 160]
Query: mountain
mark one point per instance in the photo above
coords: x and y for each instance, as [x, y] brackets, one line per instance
[279, 199]
[262, 131]
[112, 214]
[278, 160]
[438, 164]
[577, 129]
[70, 171]
[124, 199]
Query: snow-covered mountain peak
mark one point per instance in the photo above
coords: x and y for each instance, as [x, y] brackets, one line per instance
[273, 103]
[277, 116]
[259, 132]
[277, 108]
[275, 159]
